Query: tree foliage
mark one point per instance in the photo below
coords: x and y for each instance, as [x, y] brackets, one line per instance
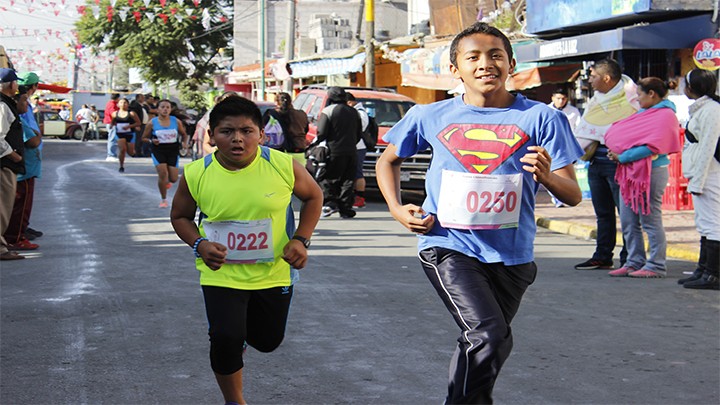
[167, 50]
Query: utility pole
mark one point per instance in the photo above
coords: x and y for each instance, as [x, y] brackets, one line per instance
[261, 3]
[290, 43]
[369, 46]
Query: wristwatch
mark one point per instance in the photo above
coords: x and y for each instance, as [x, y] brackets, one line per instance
[304, 241]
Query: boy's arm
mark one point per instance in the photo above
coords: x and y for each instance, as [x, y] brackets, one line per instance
[308, 191]
[387, 172]
[182, 215]
[561, 182]
[147, 132]
[183, 133]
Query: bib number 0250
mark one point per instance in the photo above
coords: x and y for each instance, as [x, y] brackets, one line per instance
[479, 201]
[484, 201]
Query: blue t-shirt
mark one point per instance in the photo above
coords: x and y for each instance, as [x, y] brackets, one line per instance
[452, 130]
[31, 156]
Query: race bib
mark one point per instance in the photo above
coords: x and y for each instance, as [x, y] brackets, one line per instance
[123, 127]
[247, 241]
[166, 135]
[479, 201]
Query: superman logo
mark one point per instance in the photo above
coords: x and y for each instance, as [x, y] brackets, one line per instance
[482, 148]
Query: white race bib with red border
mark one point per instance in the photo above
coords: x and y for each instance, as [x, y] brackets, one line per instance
[479, 201]
[166, 135]
[247, 241]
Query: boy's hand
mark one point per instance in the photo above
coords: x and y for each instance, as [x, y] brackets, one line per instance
[295, 254]
[212, 253]
[413, 217]
[537, 163]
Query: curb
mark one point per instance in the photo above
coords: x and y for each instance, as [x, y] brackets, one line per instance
[676, 251]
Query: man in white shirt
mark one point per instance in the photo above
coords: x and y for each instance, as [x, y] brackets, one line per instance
[560, 102]
[64, 113]
[85, 117]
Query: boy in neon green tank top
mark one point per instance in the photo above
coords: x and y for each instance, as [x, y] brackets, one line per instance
[247, 248]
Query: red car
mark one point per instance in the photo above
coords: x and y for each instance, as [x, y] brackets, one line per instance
[387, 107]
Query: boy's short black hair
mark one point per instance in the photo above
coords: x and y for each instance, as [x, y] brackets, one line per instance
[235, 106]
[479, 28]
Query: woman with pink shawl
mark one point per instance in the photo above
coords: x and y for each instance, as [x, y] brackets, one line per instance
[640, 144]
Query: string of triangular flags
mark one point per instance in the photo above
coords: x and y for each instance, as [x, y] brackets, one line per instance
[177, 9]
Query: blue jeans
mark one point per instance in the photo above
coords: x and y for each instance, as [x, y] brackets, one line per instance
[633, 225]
[605, 195]
[112, 142]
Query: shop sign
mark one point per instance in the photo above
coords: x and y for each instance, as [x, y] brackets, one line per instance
[707, 54]
[558, 48]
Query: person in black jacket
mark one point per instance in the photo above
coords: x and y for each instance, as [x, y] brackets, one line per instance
[11, 154]
[340, 128]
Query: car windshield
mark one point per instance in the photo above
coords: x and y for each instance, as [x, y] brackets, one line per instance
[51, 116]
[386, 112]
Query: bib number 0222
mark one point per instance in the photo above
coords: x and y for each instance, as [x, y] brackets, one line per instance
[484, 201]
[251, 241]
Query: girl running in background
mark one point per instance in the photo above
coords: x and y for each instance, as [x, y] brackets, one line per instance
[125, 121]
[164, 131]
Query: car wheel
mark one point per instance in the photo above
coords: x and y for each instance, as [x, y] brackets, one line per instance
[77, 134]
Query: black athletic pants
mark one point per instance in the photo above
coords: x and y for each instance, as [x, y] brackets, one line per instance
[482, 298]
[257, 317]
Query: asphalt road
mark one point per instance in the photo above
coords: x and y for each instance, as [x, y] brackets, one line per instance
[109, 310]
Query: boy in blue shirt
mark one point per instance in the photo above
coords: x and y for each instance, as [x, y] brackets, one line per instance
[476, 228]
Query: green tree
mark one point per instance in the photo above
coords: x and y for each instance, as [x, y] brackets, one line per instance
[165, 49]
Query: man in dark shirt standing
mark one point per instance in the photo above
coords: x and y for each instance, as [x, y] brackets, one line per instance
[339, 126]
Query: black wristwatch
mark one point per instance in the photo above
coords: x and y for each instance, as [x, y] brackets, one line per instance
[304, 241]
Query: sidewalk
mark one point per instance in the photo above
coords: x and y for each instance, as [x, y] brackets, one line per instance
[683, 239]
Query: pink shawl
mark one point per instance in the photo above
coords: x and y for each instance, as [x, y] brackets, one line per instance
[656, 128]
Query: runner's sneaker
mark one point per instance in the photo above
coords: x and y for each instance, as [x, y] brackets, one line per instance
[327, 211]
[121, 169]
[168, 186]
[348, 214]
[359, 202]
[594, 264]
[23, 244]
[163, 204]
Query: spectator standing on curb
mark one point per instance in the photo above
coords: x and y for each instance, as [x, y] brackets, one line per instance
[110, 108]
[480, 261]
[244, 192]
[339, 126]
[30, 81]
[615, 98]
[359, 185]
[11, 154]
[84, 117]
[22, 207]
[640, 144]
[94, 134]
[701, 166]
[561, 102]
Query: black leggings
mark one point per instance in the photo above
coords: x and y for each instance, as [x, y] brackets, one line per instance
[483, 299]
[257, 317]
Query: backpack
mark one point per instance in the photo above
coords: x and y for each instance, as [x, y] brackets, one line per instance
[274, 136]
[370, 135]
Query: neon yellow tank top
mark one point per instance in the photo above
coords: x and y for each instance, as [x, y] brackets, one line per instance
[258, 192]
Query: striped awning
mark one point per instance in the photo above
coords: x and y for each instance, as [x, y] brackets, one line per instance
[328, 66]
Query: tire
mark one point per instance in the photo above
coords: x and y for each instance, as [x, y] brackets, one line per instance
[77, 134]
